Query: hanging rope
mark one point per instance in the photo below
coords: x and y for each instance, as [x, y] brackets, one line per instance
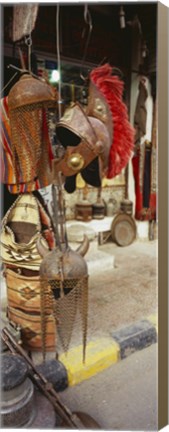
[58, 58]
[28, 42]
[10, 80]
[88, 21]
[57, 188]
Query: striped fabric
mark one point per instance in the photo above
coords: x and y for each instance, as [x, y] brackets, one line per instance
[30, 221]
[7, 170]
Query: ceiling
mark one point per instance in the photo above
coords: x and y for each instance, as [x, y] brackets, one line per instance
[108, 42]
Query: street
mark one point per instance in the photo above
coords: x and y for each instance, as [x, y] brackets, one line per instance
[123, 397]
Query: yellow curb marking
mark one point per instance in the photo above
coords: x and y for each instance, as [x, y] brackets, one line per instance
[100, 354]
[154, 320]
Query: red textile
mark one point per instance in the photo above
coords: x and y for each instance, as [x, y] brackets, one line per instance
[123, 133]
[142, 213]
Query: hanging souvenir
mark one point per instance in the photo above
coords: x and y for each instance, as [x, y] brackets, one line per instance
[122, 144]
[87, 142]
[26, 147]
[140, 116]
[144, 159]
[64, 273]
[145, 186]
[24, 19]
[99, 140]
[22, 225]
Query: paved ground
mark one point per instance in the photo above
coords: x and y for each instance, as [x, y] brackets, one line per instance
[123, 288]
[122, 291]
[123, 294]
[123, 397]
[128, 292]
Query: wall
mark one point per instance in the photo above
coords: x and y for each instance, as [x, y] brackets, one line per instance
[115, 192]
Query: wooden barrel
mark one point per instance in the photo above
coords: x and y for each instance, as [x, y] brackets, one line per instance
[98, 210]
[126, 206]
[31, 329]
[83, 211]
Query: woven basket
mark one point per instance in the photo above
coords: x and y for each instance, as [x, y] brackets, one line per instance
[31, 331]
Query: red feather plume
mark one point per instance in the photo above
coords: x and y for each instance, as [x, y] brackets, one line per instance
[123, 133]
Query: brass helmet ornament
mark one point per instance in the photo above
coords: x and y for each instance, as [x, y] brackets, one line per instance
[99, 139]
[87, 136]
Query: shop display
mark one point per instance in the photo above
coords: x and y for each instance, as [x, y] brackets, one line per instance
[31, 324]
[23, 224]
[64, 281]
[28, 102]
[107, 80]
[79, 143]
[89, 138]
[26, 147]
[52, 279]
[76, 108]
[21, 228]
[98, 146]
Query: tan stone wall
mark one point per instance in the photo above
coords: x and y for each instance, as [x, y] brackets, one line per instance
[115, 192]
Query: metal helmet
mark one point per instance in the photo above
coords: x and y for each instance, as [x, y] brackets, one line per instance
[87, 136]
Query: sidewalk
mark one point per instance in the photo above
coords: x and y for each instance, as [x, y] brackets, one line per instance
[122, 309]
[104, 352]
[122, 315]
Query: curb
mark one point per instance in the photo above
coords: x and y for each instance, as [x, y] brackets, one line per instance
[103, 352]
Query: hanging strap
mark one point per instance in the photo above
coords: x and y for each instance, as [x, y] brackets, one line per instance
[88, 22]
